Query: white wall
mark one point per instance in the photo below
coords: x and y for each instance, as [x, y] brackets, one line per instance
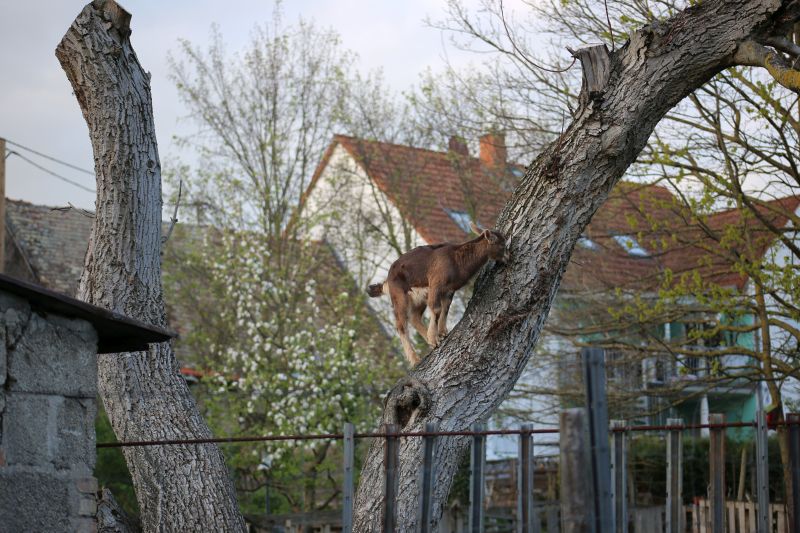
[345, 205]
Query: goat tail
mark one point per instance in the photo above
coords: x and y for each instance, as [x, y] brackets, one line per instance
[375, 290]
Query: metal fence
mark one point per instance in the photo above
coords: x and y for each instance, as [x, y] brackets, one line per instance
[594, 472]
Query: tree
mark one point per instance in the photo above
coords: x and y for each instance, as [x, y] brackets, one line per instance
[283, 352]
[626, 93]
[729, 145]
[282, 333]
[144, 394]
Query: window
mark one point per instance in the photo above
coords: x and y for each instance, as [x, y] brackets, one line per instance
[461, 218]
[630, 245]
[587, 243]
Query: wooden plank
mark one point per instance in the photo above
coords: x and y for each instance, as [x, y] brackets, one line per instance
[347, 478]
[477, 482]
[730, 507]
[780, 519]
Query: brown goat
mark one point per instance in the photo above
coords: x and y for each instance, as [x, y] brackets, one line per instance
[428, 276]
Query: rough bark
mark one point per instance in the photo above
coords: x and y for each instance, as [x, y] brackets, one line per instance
[179, 488]
[472, 371]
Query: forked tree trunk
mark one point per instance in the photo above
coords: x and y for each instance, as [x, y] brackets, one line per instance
[469, 375]
[179, 488]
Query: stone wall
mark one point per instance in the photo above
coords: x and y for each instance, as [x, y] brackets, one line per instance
[48, 390]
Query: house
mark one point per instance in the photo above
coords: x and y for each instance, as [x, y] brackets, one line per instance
[376, 200]
[46, 245]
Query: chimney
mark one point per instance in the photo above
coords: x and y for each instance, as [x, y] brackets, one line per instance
[493, 150]
[458, 146]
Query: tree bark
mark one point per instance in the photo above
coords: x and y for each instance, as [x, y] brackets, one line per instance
[179, 488]
[468, 376]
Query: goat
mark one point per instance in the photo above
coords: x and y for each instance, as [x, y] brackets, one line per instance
[428, 276]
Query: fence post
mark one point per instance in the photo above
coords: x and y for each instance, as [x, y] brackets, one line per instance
[675, 514]
[594, 371]
[390, 461]
[619, 471]
[577, 511]
[476, 480]
[347, 481]
[426, 478]
[525, 515]
[762, 473]
[793, 420]
[716, 462]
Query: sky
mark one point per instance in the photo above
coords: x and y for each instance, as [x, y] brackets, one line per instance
[39, 111]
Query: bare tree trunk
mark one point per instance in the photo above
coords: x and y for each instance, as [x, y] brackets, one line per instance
[469, 375]
[179, 488]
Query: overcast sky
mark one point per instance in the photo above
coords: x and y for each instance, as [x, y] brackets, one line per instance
[38, 110]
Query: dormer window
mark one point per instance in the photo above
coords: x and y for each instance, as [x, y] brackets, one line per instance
[631, 245]
[461, 218]
[587, 243]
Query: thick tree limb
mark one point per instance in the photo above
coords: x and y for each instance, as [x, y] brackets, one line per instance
[179, 488]
[753, 54]
[470, 374]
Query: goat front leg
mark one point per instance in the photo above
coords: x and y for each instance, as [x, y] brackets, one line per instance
[416, 320]
[446, 301]
[435, 308]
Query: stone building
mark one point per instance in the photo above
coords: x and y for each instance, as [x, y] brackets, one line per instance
[48, 391]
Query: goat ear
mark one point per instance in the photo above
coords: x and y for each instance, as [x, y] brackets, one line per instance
[491, 237]
[475, 229]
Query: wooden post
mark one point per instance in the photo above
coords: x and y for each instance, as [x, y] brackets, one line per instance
[716, 461]
[619, 476]
[477, 481]
[577, 511]
[793, 419]
[525, 514]
[762, 473]
[347, 481]
[390, 460]
[2, 204]
[675, 514]
[426, 478]
[594, 371]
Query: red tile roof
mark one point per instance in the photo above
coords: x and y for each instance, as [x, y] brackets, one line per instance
[423, 184]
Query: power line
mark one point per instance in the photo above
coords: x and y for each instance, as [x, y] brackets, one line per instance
[51, 158]
[48, 171]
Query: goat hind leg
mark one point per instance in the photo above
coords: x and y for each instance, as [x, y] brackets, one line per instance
[400, 304]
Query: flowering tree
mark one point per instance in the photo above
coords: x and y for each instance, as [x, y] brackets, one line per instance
[288, 348]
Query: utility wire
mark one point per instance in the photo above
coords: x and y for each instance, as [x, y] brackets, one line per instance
[51, 158]
[48, 171]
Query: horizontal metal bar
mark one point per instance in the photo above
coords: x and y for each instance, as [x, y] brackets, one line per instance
[339, 436]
